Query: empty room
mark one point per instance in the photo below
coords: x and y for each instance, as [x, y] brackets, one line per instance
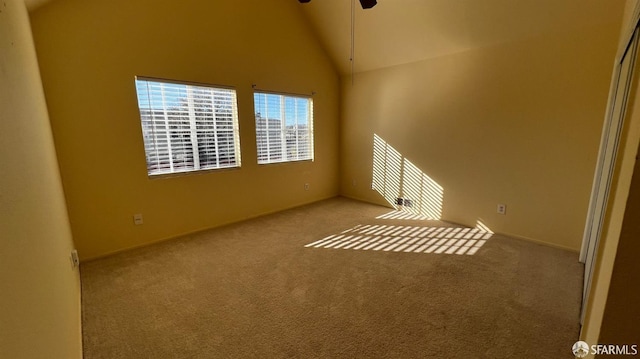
[319, 179]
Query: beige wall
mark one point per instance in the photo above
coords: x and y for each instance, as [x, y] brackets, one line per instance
[89, 53]
[516, 123]
[40, 289]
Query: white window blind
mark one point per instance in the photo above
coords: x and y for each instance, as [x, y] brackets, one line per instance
[284, 127]
[186, 127]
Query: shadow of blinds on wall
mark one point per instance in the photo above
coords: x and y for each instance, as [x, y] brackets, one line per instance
[396, 177]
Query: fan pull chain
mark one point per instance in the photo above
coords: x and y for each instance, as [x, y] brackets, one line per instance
[353, 37]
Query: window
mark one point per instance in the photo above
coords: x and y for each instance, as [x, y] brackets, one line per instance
[186, 127]
[284, 128]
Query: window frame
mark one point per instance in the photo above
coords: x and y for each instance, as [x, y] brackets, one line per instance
[310, 157]
[216, 119]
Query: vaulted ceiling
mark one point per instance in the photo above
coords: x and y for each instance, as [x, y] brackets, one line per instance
[403, 31]
[34, 4]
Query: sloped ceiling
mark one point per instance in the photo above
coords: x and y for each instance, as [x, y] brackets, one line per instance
[403, 31]
[34, 4]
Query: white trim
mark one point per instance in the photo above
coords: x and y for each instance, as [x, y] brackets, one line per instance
[180, 82]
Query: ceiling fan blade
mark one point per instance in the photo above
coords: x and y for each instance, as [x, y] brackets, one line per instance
[368, 4]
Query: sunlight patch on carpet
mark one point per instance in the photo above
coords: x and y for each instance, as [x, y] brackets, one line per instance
[407, 239]
[403, 215]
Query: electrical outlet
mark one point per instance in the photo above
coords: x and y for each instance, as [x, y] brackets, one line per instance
[502, 209]
[306, 186]
[408, 203]
[399, 201]
[75, 260]
[137, 219]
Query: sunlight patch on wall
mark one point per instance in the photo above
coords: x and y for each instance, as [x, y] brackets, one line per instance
[387, 163]
[407, 239]
[396, 177]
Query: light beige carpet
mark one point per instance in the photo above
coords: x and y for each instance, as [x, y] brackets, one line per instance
[292, 285]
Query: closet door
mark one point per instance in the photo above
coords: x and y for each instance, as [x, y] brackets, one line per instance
[617, 108]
